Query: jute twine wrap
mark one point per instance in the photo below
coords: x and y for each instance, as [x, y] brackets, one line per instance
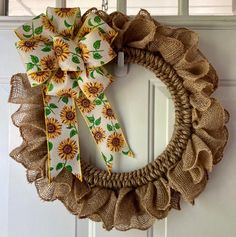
[135, 199]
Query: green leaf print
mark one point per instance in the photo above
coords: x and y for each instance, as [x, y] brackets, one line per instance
[98, 121]
[111, 159]
[53, 106]
[107, 161]
[73, 132]
[27, 36]
[75, 84]
[59, 166]
[78, 157]
[92, 74]
[34, 59]
[69, 168]
[51, 168]
[38, 30]
[47, 111]
[46, 49]
[97, 44]
[75, 59]
[117, 125]
[50, 87]
[65, 99]
[77, 50]
[99, 71]
[101, 30]
[29, 66]
[67, 25]
[101, 96]
[109, 127]
[50, 146]
[104, 157]
[98, 102]
[26, 28]
[37, 17]
[97, 55]
[91, 119]
[90, 22]
[97, 19]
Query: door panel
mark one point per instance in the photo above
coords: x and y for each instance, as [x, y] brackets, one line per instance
[146, 113]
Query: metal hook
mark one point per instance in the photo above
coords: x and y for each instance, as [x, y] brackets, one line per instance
[105, 5]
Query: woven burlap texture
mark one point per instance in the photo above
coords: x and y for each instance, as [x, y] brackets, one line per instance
[136, 199]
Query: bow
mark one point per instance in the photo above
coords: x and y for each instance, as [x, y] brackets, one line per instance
[67, 60]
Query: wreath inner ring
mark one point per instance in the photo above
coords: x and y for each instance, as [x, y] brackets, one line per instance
[182, 129]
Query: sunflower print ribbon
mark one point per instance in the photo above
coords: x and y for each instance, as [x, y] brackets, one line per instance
[66, 57]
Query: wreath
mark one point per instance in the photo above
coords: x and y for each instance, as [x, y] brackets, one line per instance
[63, 53]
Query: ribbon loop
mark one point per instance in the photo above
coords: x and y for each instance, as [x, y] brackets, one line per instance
[64, 20]
[96, 50]
[69, 66]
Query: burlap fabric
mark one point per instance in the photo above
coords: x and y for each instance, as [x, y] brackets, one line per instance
[136, 199]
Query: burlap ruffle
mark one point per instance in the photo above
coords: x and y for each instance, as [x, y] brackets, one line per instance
[136, 199]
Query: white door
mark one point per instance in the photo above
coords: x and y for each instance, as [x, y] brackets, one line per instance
[23, 214]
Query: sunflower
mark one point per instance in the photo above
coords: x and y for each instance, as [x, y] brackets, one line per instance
[68, 115]
[111, 53]
[67, 93]
[98, 134]
[61, 49]
[53, 128]
[40, 77]
[65, 12]
[74, 75]
[108, 112]
[46, 99]
[67, 32]
[67, 149]
[92, 89]
[84, 31]
[115, 142]
[48, 63]
[59, 77]
[47, 24]
[27, 46]
[85, 52]
[110, 35]
[84, 104]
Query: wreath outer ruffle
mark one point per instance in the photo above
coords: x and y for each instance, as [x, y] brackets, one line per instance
[135, 199]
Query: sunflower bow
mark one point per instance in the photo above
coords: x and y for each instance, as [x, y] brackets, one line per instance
[67, 60]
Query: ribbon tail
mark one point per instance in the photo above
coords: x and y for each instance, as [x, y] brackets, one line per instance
[104, 128]
[62, 136]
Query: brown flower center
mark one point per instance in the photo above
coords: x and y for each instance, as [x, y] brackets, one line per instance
[60, 73]
[98, 136]
[93, 90]
[115, 141]
[58, 50]
[85, 103]
[29, 44]
[40, 73]
[67, 149]
[70, 115]
[51, 128]
[65, 10]
[50, 64]
[109, 112]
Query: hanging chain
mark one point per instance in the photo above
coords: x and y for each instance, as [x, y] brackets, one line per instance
[105, 5]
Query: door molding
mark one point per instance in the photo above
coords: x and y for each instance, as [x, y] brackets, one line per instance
[195, 22]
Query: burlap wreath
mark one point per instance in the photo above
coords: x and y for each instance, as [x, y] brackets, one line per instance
[135, 199]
